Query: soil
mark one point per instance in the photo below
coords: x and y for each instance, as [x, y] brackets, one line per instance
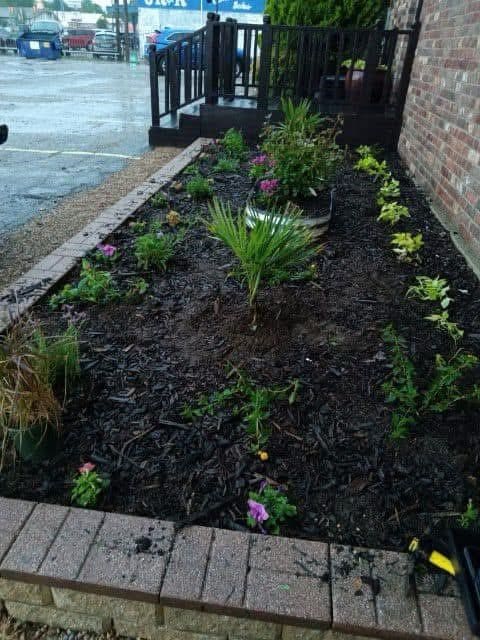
[331, 450]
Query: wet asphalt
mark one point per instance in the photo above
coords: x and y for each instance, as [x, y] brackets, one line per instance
[60, 115]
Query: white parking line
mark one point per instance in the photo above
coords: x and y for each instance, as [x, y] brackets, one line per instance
[72, 153]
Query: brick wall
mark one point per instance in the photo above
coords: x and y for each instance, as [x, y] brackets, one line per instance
[440, 139]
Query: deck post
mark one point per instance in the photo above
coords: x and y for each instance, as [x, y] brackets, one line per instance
[229, 58]
[265, 64]
[155, 107]
[212, 63]
[371, 63]
[413, 38]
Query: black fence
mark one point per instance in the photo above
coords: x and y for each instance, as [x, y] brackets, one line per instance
[340, 70]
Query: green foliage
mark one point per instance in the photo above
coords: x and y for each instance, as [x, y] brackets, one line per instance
[248, 401]
[365, 150]
[430, 290]
[390, 190]
[441, 393]
[91, 7]
[470, 516]
[276, 505]
[392, 212]
[234, 146]
[154, 250]
[159, 200]
[199, 187]
[277, 248]
[87, 487]
[226, 165]
[442, 321]
[58, 356]
[369, 164]
[304, 158]
[137, 227]
[94, 286]
[326, 13]
[257, 171]
[407, 246]
[138, 289]
[102, 23]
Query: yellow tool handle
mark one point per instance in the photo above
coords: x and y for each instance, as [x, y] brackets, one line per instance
[442, 562]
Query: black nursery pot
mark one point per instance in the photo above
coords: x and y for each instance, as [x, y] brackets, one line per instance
[37, 443]
[465, 549]
[317, 210]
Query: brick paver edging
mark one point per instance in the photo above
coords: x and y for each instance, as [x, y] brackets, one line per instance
[33, 285]
[90, 570]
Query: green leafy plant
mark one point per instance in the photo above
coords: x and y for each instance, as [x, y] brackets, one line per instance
[199, 187]
[276, 249]
[407, 246]
[94, 285]
[35, 370]
[303, 157]
[137, 227]
[226, 165]
[470, 516]
[370, 165]
[234, 145]
[390, 190]
[442, 321]
[392, 212]
[138, 289]
[365, 150]
[159, 200]
[248, 401]
[268, 508]
[431, 290]
[441, 393]
[155, 250]
[87, 486]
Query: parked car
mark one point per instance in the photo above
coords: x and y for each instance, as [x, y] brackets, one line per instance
[75, 39]
[43, 39]
[167, 36]
[105, 44]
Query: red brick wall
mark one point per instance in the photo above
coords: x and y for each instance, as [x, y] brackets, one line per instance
[440, 139]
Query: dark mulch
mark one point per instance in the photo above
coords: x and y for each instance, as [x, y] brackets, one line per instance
[142, 362]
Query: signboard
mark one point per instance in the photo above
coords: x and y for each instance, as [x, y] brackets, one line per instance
[225, 6]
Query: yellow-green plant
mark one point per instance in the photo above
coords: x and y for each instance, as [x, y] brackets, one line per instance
[392, 212]
[390, 190]
[155, 250]
[442, 321]
[430, 290]
[277, 248]
[470, 516]
[199, 187]
[371, 166]
[234, 145]
[407, 246]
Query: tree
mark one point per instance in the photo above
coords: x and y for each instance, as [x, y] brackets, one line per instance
[326, 13]
[91, 7]
[102, 23]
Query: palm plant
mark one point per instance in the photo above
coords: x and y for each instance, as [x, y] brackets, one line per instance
[277, 248]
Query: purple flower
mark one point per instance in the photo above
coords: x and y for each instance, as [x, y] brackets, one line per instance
[108, 250]
[269, 186]
[257, 511]
[259, 160]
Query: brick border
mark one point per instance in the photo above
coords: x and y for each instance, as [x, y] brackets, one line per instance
[86, 569]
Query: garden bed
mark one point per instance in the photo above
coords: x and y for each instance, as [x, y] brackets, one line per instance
[144, 359]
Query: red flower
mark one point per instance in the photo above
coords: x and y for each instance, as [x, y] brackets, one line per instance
[86, 467]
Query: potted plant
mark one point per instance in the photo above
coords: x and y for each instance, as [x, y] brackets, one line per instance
[35, 371]
[354, 79]
[297, 165]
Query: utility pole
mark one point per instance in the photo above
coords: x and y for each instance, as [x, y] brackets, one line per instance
[117, 28]
[127, 35]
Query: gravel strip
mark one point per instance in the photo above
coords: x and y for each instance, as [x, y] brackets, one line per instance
[22, 249]
[13, 630]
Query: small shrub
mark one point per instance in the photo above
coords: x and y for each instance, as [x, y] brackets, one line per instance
[259, 166]
[470, 516]
[268, 509]
[226, 165]
[430, 290]
[406, 246]
[390, 190]
[199, 188]
[94, 285]
[137, 227]
[442, 321]
[87, 486]
[234, 145]
[373, 167]
[159, 200]
[392, 212]
[154, 250]
[276, 249]
[138, 289]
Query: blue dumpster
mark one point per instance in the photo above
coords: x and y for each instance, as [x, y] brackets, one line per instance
[42, 40]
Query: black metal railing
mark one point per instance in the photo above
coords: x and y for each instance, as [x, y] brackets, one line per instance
[340, 70]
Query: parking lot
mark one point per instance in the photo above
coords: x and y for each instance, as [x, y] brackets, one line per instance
[72, 122]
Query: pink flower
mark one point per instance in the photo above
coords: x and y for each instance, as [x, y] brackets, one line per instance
[257, 511]
[269, 186]
[86, 467]
[108, 250]
[259, 160]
